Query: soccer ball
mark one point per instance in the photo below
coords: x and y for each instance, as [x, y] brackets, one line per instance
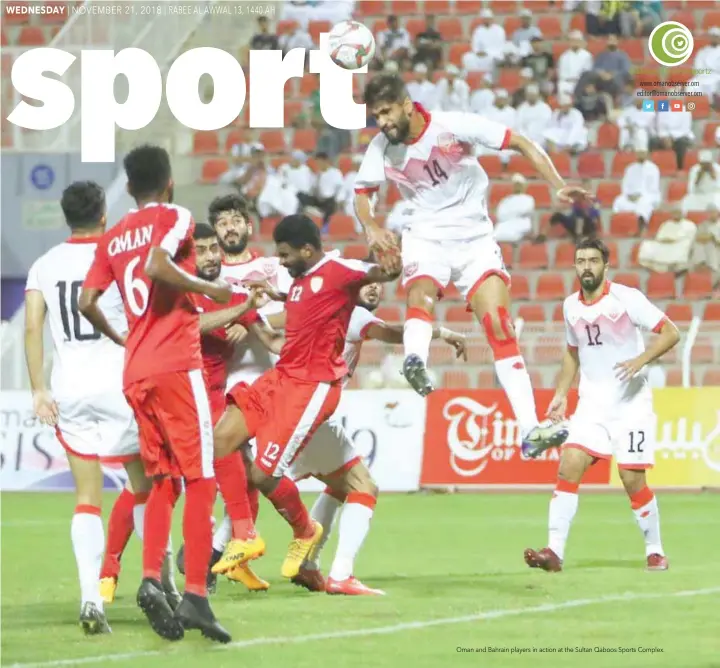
[351, 45]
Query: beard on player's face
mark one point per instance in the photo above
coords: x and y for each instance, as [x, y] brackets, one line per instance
[370, 296]
[209, 271]
[590, 281]
[397, 129]
[233, 242]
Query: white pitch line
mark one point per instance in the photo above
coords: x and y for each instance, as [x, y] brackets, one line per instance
[380, 630]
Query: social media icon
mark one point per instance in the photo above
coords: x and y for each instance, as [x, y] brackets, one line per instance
[676, 105]
[648, 105]
[663, 105]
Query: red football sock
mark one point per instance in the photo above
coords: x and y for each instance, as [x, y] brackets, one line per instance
[254, 501]
[286, 499]
[232, 480]
[198, 533]
[120, 528]
[158, 518]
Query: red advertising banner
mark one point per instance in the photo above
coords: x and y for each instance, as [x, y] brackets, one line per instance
[472, 438]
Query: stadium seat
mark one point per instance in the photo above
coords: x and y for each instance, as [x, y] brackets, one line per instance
[435, 7]
[550, 286]
[591, 165]
[305, 140]
[345, 163]
[414, 26]
[562, 164]
[342, 227]
[355, 251]
[549, 26]
[492, 165]
[389, 314]
[14, 18]
[620, 162]
[474, 79]
[285, 26]
[673, 377]
[608, 136]
[370, 8]
[458, 314]
[657, 219]
[455, 380]
[317, 27]
[678, 312]
[578, 22]
[457, 51]
[533, 256]
[511, 24]
[480, 353]
[206, 143]
[703, 352]
[31, 36]
[273, 141]
[676, 190]
[635, 49]
[236, 137]
[666, 162]
[450, 29]
[697, 217]
[532, 313]
[487, 380]
[404, 7]
[712, 312]
[661, 286]
[711, 378]
[521, 165]
[558, 315]
[498, 191]
[698, 285]
[509, 79]
[595, 45]
[541, 193]
[55, 17]
[548, 350]
[687, 18]
[565, 255]
[631, 280]
[520, 288]
[624, 225]
[309, 84]
[212, 169]
[634, 255]
[508, 251]
[709, 134]
[607, 191]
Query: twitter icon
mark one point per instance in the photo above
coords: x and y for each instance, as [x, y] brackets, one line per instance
[648, 105]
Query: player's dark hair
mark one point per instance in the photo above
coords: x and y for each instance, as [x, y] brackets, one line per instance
[297, 231]
[321, 155]
[385, 88]
[204, 231]
[83, 204]
[594, 244]
[224, 203]
[148, 171]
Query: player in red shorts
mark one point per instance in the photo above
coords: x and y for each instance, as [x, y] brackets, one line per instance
[284, 407]
[150, 255]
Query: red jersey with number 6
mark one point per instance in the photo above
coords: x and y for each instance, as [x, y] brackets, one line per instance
[164, 329]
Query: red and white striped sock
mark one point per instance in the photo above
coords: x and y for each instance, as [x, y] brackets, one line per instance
[353, 528]
[647, 516]
[417, 333]
[88, 539]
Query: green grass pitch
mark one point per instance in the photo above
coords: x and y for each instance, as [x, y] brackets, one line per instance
[453, 570]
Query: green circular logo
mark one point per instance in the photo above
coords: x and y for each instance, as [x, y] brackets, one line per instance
[671, 43]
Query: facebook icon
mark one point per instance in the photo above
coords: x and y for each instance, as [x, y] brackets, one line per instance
[648, 105]
[663, 105]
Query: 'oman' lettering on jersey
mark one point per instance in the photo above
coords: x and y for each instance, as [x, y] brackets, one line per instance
[443, 185]
[606, 332]
[85, 363]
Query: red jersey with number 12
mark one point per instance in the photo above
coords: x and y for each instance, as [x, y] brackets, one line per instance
[319, 305]
[164, 330]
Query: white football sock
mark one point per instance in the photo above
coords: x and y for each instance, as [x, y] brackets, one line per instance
[139, 519]
[515, 380]
[417, 335]
[167, 574]
[88, 539]
[563, 507]
[222, 534]
[324, 510]
[648, 519]
[353, 529]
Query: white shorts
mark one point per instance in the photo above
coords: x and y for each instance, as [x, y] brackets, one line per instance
[466, 263]
[631, 440]
[330, 451]
[102, 427]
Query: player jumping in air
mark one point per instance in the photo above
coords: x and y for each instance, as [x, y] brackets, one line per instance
[615, 414]
[447, 232]
[85, 404]
[287, 404]
[149, 254]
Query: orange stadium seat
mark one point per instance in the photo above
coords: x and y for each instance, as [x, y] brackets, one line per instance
[273, 141]
[538, 5]
[404, 7]
[691, 158]
[455, 380]
[293, 109]
[457, 51]
[550, 286]
[520, 288]
[703, 351]
[678, 312]
[450, 29]
[558, 315]
[31, 36]
[624, 225]
[475, 79]
[608, 136]
[342, 227]
[562, 164]
[709, 134]
[498, 191]
[658, 218]
[305, 140]
[613, 250]
[379, 26]
[511, 24]
[414, 26]
[53, 17]
[458, 314]
[565, 255]
[636, 49]
[267, 226]
[595, 45]
[471, 7]
[309, 84]
[687, 18]
[661, 286]
[712, 311]
[236, 137]
[533, 256]
[285, 26]
[345, 164]
[711, 378]
[674, 377]
[676, 190]
[206, 143]
[355, 251]
[578, 22]
[698, 285]
[317, 27]
[522, 165]
[487, 380]
[389, 314]
[550, 27]
[697, 217]
[607, 191]
[631, 280]
[620, 162]
[509, 79]
[508, 251]
[370, 8]
[541, 193]
[492, 165]
[666, 162]
[437, 7]
[14, 18]
[532, 313]
[212, 169]
[591, 165]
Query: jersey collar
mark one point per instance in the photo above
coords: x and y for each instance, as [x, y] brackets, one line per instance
[83, 240]
[605, 291]
[426, 116]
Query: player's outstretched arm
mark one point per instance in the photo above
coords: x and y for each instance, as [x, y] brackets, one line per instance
[666, 339]
[544, 165]
[35, 310]
[160, 267]
[389, 271]
[217, 319]
[570, 368]
[381, 331]
[380, 240]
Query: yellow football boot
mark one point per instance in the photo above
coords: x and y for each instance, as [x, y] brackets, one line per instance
[108, 586]
[299, 550]
[245, 575]
[238, 552]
